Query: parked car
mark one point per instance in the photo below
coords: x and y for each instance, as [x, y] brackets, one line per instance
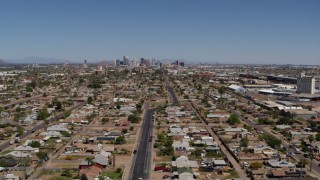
[135, 151]
[167, 170]
[159, 168]
[317, 158]
[165, 176]
[300, 165]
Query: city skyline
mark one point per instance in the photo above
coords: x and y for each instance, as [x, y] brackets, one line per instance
[264, 32]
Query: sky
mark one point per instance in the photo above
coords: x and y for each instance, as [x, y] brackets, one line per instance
[226, 31]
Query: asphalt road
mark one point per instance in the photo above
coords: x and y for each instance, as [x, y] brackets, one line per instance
[173, 95]
[140, 167]
[39, 126]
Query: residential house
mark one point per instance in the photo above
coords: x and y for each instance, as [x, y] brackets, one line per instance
[183, 161]
[11, 177]
[280, 164]
[283, 127]
[177, 131]
[92, 173]
[251, 157]
[282, 173]
[237, 89]
[181, 146]
[26, 149]
[57, 128]
[216, 118]
[51, 134]
[264, 149]
[30, 119]
[301, 134]
[302, 113]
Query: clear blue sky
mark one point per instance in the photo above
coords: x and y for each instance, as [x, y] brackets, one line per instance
[226, 31]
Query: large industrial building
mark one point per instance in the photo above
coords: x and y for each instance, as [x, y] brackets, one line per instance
[306, 84]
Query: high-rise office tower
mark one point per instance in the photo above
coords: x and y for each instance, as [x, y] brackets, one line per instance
[153, 62]
[144, 62]
[85, 64]
[126, 60]
[133, 62]
[117, 62]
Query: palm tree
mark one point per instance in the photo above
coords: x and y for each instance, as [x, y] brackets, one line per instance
[311, 155]
[289, 138]
[311, 138]
[89, 160]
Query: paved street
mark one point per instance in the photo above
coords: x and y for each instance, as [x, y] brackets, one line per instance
[173, 95]
[141, 165]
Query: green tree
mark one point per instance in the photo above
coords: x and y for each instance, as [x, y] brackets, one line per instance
[58, 105]
[90, 100]
[138, 106]
[67, 114]
[285, 120]
[124, 131]
[66, 173]
[43, 113]
[95, 83]
[33, 84]
[318, 137]
[311, 138]
[221, 90]
[248, 128]
[89, 160]
[29, 89]
[256, 165]
[271, 140]
[81, 81]
[265, 121]
[65, 133]
[313, 124]
[121, 140]
[244, 142]
[104, 120]
[83, 177]
[133, 118]
[233, 119]
[42, 155]
[197, 152]
[119, 170]
[34, 144]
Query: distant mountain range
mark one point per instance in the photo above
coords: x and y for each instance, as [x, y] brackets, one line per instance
[105, 62]
[2, 61]
[39, 60]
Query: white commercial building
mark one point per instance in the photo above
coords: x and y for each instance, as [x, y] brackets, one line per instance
[306, 84]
